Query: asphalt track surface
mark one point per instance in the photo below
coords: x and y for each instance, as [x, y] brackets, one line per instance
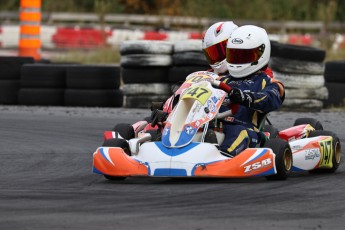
[46, 182]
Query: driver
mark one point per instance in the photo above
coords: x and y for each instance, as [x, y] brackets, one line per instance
[247, 55]
[214, 45]
[214, 48]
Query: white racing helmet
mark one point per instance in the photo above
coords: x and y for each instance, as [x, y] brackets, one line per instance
[248, 50]
[214, 45]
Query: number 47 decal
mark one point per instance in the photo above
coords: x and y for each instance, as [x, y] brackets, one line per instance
[197, 90]
[326, 150]
[199, 93]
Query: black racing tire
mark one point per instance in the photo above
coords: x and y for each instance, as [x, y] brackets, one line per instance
[141, 60]
[93, 77]
[149, 88]
[143, 101]
[125, 130]
[300, 81]
[334, 71]
[307, 93]
[273, 131]
[148, 119]
[43, 76]
[38, 96]
[9, 91]
[296, 66]
[10, 66]
[336, 157]
[336, 94]
[145, 75]
[94, 98]
[283, 159]
[302, 105]
[189, 59]
[146, 47]
[190, 45]
[179, 73]
[311, 121]
[297, 52]
[116, 142]
[114, 178]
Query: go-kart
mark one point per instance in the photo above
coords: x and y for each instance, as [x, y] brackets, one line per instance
[185, 150]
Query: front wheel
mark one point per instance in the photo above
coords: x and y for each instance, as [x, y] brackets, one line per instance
[117, 142]
[283, 159]
[114, 178]
[336, 150]
[125, 130]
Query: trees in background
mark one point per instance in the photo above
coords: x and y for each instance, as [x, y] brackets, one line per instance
[306, 10]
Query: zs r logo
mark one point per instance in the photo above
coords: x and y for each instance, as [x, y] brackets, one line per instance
[257, 165]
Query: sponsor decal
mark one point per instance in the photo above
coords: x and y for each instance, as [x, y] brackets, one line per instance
[240, 82]
[165, 132]
[237, 41]
[248, 82]
[196, 108]
[214, 99]
[230, 119]
[296, 148]
[257, 165]
[311, 154]
[298, 137]
[211, 106]
[189, 130]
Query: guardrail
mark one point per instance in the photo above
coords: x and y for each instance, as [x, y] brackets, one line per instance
[167, 22]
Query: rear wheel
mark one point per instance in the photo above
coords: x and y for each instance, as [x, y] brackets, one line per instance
[336, 156]
[313, 122]
[283, 159]
[273, 131]
[117, 142]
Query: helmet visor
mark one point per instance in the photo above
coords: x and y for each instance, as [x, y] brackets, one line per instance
[216, 53]
[244, 56]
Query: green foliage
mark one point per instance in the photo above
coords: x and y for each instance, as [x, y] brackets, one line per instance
[104, 55]
[306, 10]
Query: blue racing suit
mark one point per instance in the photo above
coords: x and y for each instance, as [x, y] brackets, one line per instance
[241, 129]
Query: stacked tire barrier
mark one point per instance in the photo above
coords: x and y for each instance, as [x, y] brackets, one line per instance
[188, 57]
[145, 67]
[92, 85]
[42, 84]
[24, 82]
[10, 78]
[301, 70]
[335, 83]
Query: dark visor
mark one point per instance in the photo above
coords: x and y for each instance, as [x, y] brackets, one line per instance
[244, 56]
[216, 53]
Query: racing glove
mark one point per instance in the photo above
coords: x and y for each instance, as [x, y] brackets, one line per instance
[237, 96]
[158, 117]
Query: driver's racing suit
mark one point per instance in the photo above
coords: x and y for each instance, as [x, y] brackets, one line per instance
[241, 130]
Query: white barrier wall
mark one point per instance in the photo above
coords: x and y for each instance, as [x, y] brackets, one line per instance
[9, 37]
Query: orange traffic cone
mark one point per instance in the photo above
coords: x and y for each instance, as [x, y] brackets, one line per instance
[30, 19]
